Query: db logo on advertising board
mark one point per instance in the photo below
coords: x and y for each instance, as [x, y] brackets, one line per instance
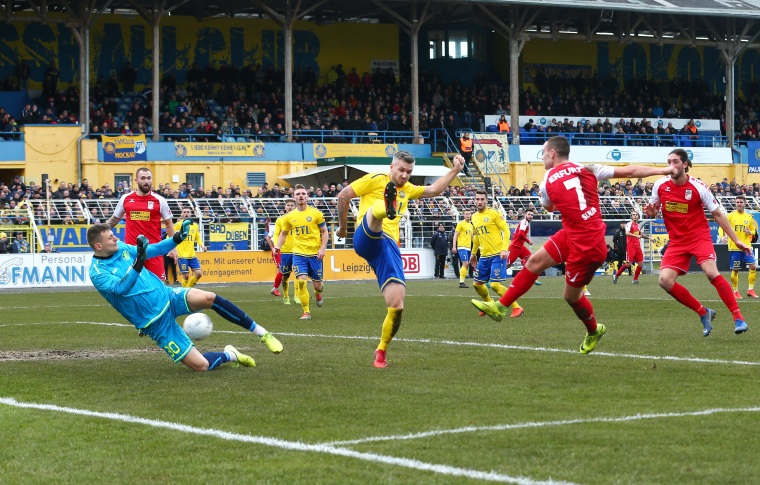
[411, 263]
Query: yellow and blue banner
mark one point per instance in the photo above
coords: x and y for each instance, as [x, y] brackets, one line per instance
[124, 148]
[72, 238]
[335, 150]
[233, 236]
[225, 149]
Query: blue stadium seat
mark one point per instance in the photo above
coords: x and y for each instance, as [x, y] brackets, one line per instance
[492, 128]
[242, 139]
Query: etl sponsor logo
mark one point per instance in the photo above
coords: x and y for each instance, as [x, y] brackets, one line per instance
[411, 263]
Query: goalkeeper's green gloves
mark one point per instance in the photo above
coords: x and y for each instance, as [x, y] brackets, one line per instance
[142, 253]
[184, 231]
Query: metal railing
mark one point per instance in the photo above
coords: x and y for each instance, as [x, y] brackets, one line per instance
[258, 214]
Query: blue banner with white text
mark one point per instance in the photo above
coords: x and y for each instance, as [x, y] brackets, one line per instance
[753, 156]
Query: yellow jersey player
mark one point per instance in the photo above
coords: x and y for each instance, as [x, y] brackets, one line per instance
[745, 227]
[491, 236]
[309, 230]
[384, 197]
[463, 245]
[284, 258]
[186, 251]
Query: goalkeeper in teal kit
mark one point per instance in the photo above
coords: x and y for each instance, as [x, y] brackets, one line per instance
[152, 307]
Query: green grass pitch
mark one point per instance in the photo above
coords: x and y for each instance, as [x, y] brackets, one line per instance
[463, 400]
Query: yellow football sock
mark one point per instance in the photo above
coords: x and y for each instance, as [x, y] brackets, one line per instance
[303, 294]
[735, 280]
[498, 288]
[390, 326]
[462, 273]
[378, 209]
[285, 289]
[751, 278]
[482, 290]
[192, 281]
[183, 282]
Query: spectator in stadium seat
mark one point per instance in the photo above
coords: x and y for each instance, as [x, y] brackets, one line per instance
[20, 244]
[5, 246]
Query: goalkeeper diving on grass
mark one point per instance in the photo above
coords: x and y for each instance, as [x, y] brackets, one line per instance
[152, 307]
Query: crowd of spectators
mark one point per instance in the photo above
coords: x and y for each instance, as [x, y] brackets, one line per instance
[248, 102]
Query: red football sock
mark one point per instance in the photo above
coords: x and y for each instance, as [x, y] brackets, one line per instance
[638, 271]
[685, 298]
[520, 285]
[620, 270]
[277, 280]
[585, 311]
[726, 293]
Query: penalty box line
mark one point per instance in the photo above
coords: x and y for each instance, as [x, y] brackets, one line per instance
[289, 445]
[543, 424]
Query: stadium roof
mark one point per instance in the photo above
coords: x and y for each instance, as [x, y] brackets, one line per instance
[688, 22]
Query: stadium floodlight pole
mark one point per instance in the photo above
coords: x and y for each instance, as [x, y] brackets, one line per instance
[47, 198]
[412, 29]
[288, 21]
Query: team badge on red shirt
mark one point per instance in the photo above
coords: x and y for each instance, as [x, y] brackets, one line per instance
[150, 205]
[688, 194]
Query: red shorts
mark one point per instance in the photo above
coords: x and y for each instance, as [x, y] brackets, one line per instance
[522, 253]
[156, 266]
[678, 256]
[635, 255]
[581, 261]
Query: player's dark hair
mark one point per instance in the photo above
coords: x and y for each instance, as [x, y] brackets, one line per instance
[560, 145]
[290, 200]
[482, 192]
[141, 169]
[404, 156]
[299, 186]
[95, 232]
[741, 196]
[684, 156]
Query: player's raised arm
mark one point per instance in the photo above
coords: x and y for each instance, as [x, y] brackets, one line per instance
[344, 199]
[440, 185]
[641, 171]
[720, 217]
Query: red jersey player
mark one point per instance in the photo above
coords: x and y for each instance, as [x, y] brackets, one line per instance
[571, 189]
[634, 256]
[683, 200]
[517, 247]
[143, 211]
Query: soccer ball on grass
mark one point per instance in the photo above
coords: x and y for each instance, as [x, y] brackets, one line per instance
[198, 326]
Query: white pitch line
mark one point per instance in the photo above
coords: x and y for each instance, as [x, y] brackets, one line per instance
[532, 349]
[671, 358]
[291, 445]
[542, 424]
